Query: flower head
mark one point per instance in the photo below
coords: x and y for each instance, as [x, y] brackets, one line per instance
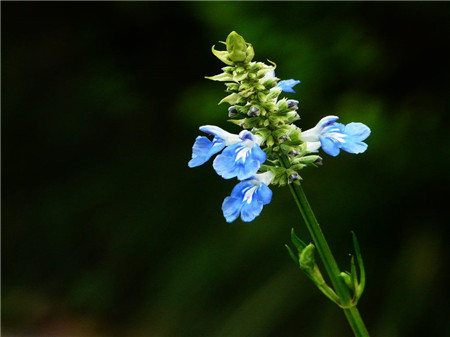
[248, 198]
[333, 136]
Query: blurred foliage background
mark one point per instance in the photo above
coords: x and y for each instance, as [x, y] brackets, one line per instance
[107, 232]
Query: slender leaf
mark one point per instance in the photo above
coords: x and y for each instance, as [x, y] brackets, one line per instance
[291, 253]
[362, 281]
[299, 244]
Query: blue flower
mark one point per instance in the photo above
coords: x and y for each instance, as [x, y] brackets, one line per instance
[248, 198]
[333, 136]
[241, 160]
[285, 85]
[204, 148]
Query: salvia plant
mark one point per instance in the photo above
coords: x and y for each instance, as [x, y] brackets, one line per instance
[271, 151]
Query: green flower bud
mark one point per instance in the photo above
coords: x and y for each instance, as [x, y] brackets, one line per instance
[311, 160]
[307, 259]
[236, 47]
[293, 177]
[232, 112]
[347, 279]
[254, 111]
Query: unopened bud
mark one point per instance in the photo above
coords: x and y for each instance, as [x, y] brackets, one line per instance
[318, 161]
[293, 153]
[306, 259]
[293, 177]
[254, 111]
[283, 138]
[232, 111]
[292, 104]
[236, 47]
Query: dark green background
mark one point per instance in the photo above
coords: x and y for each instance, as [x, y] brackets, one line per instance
[107, 232]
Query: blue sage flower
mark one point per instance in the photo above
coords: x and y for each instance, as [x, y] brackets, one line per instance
[242, 159]
[248, 198]
[285, 85]
[333, 136]
[204, 148]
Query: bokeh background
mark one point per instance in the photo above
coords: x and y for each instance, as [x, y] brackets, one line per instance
[107, 232]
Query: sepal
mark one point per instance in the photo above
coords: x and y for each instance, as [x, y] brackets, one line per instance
[232, 99]
[224, 77]
[222, 55]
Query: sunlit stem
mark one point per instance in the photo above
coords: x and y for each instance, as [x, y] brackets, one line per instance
[328, 260]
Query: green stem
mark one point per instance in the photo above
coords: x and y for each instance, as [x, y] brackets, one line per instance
[324, 251]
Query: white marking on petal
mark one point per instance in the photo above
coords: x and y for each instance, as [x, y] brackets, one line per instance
[336, 136]
[248, 194]
[242, 153]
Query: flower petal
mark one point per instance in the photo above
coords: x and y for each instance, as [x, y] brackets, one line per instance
[264, 194]
[231, 208]
[203, 149]
[354, 147]
[356, 133]
[330, 145]
[251, 210]
[359, 131]
[229, 138]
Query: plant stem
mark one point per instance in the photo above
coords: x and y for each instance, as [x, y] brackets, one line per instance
[341, 289]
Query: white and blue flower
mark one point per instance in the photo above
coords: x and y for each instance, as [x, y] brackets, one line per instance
[248, 198]
[285, 85]
[241, 158]
[204, 148]
[333, 136]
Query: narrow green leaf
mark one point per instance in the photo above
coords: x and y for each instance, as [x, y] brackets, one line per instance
[353, 274]
[362, 281]
[299, 244]
[291, 253]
